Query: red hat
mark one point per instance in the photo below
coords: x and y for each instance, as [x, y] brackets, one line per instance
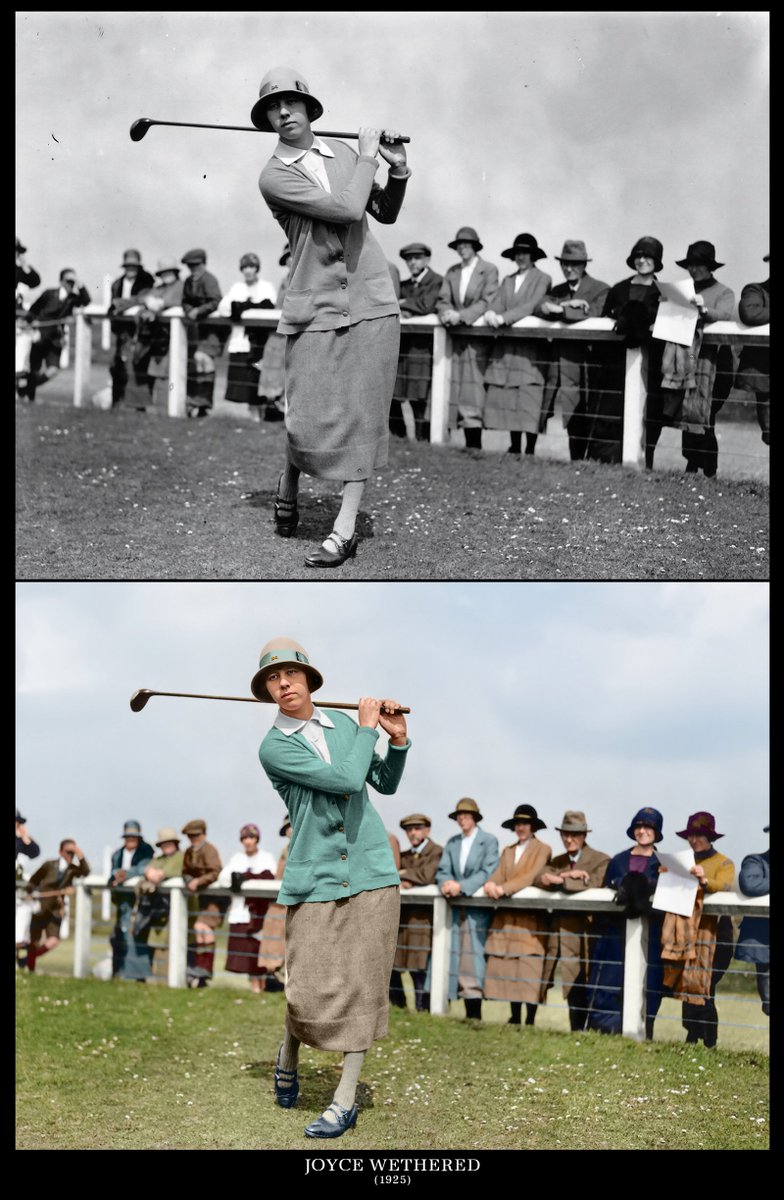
[701, 823]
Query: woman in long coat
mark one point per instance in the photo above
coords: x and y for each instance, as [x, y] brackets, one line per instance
[633, 874]
[466, 292]
[515, 373]
[468, 860]
[340, 311]
[340, 883]
[246, 345]
[516, 942]
[246, 913]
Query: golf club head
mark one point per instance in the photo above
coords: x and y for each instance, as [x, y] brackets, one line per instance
[140, 127]
[139, 699]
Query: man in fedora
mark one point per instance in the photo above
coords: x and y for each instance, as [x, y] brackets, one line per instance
[418, 867]
[754, 366]
[418, 298]
[569, 373]
[468, 860]
[201, 295]
[152, 905]
[340, 881]
[578, 868]
[201, 866]
[128, 863]
[466, 292]
[125, 288]
[692, 389]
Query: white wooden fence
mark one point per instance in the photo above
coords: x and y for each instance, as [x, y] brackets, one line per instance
[594, 329]
[591, 900]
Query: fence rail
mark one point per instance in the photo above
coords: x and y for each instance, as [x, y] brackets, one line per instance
[594, 329]
[596, 900]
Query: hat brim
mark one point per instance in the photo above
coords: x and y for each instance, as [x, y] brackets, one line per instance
[658, 265]
[658, 838]
[476, 815]
[698, 262]
[166, 841]
[560, 259]
[534, 251]
[536, 824]
[567, 829]
[258, 685]
[476, 244]
[258, 114]
[710, 834]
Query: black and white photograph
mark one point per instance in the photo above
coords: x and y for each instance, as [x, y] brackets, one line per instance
[392, 587]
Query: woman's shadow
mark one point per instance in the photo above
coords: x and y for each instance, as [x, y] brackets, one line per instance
[316, 515]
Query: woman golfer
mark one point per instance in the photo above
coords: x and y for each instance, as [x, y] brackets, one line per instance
[340, 881]
[340, 312]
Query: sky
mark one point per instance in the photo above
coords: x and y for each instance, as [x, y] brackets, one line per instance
[599, 126]
[599, 697]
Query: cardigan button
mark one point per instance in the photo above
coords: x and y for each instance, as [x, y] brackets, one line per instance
[345, 883]
[345, 797]
[341, 829]
[344, 286]
[344, 857]
[345, 314]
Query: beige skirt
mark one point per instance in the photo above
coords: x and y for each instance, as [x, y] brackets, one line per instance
[515, 956]
[339, 956]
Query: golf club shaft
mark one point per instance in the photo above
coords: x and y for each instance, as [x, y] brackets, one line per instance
[242, 128]
[147, 692]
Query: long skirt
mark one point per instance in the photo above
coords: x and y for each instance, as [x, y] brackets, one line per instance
[243, 950]
[339, 385]
[272, 382]
[467, 391]
[515, 386]
[339, 956]
[272, 939]
[606, 1002]
[242, 381]
[515, 957]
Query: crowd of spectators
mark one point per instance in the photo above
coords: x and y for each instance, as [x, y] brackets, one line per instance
[499, 382]
[498, 952]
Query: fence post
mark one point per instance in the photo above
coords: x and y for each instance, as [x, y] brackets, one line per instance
[83, 351]
[634, 395]
[178, 367]
[439, 959]
[178, 934]
[634, 964]
[440, 387]
[83, 923]
[106, 326]
[65, 352]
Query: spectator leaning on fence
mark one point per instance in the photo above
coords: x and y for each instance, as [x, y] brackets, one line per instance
[689, 373]
[246, 343]
[134, 279]
[272, 939]
[571, 368]
[697, 950]
[754, 366]
[151, 907]
[128, 863]
[466, 292]
[633, 875]
[516, 941]
[24, 273]
[754, 936]
[201, 867]
[468, 860]
[49, 885]
[246, 913]
[418, 298]
[49, 310]
[418, 866]
[569, 943]
[201, 295]
[272, 382]
[515, 377]
[24, 842]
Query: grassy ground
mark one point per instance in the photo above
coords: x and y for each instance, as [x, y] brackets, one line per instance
[118, 1066]
[126, 495]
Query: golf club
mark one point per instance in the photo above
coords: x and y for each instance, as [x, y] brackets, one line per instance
[139, 700]
[140, 127]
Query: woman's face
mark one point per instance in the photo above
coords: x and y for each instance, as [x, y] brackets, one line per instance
[698, 272]
[289, 690]
[288, 116]
[644, 264]
[523, 830]
[465, 251]
[250, 843]
[523, 259]
[169, 277]
[698, 841]
[644, 835]
[466, 821]
[250, 273]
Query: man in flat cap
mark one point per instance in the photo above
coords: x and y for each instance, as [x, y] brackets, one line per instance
[578, 868]
[418, 298]
[418, 867]
[125, 289]
[201, 866]
[201, 295]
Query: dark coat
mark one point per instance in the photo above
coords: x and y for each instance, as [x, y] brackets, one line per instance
[420, 869]
[200, 297]
[142, 281]
[142, 856]
[633, 317]
[419, 298]
[754, 936]
[754, 365]
[49, 307]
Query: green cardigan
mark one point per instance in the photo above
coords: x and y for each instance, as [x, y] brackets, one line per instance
[339, 845]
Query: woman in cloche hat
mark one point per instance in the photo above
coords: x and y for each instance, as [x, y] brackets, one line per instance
[468, 860]
[246, 343]
[694, 980]
[516, 941]
[340, 881]
[246, 914]
[340, 311]
[515, 375]
[633, 874]
[466, 292]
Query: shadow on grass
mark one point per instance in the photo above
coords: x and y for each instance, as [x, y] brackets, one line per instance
[316, 1085]
[316, 515]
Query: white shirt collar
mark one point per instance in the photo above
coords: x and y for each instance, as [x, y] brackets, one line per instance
[291, 154]
[289, 725]
[418, 849]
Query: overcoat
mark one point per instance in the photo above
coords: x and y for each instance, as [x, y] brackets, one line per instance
[570, 942]
[516, 941]
[515, 372]
[418, 298]
[415, 935]
[571, 365]
[480, 864]
[754, 936]
[469, 355]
